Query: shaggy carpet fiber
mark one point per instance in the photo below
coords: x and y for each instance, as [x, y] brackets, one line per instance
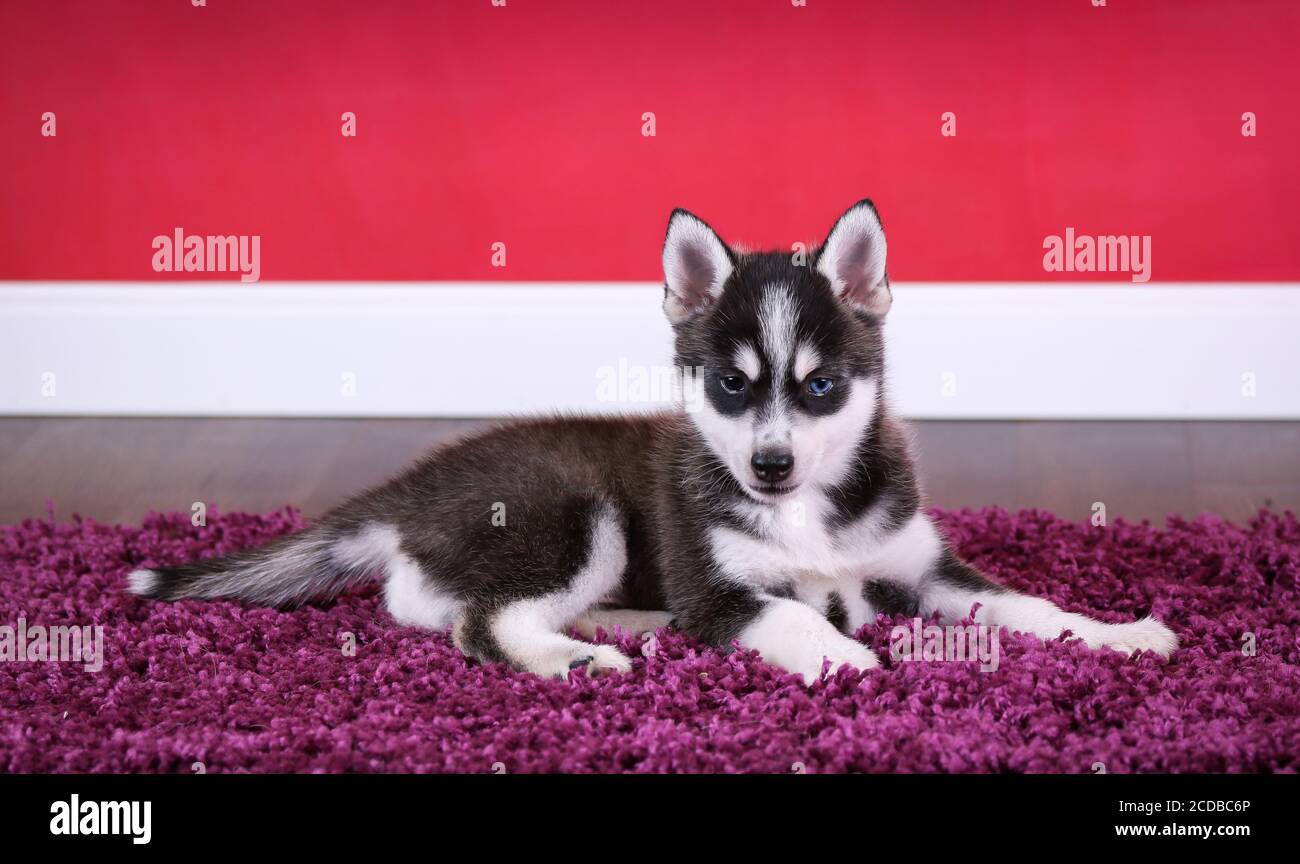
[340, 687]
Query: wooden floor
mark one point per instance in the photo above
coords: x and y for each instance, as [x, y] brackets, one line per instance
[116, 470]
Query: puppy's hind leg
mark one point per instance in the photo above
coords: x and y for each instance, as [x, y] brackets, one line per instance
[526, 632]
[952, 587]
[412, 598]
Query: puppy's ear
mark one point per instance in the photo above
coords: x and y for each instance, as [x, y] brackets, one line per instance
[853, 259]
[696, 266]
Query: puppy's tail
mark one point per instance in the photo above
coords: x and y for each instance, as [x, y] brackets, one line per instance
[317, 563]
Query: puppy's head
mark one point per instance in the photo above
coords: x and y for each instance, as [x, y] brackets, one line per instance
[790, 348]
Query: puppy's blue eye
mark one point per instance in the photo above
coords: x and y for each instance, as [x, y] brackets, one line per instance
[820, 386]
[733, 384]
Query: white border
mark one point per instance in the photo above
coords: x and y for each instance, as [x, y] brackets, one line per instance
[1032, 351]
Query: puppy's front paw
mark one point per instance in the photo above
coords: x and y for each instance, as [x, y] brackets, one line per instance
[798, 638]
[845, 652]
[855, 655]
[1147, 634]
[601, 659]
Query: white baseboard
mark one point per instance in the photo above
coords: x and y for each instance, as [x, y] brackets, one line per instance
[482, 349]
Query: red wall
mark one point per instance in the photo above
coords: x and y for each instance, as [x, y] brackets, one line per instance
[523, 124]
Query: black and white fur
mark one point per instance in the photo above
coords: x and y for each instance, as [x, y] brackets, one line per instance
[782, 515]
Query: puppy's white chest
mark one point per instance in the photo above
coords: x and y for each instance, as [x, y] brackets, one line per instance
[790, 544]
[786, 543]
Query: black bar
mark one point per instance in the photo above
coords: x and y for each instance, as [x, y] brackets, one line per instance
[1004, 812]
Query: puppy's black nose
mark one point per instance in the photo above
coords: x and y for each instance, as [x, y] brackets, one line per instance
[772, 466]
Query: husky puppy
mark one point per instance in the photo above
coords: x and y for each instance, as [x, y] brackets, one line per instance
[781, 515]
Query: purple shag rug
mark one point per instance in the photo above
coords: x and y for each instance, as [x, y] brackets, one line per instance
[250, 689]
